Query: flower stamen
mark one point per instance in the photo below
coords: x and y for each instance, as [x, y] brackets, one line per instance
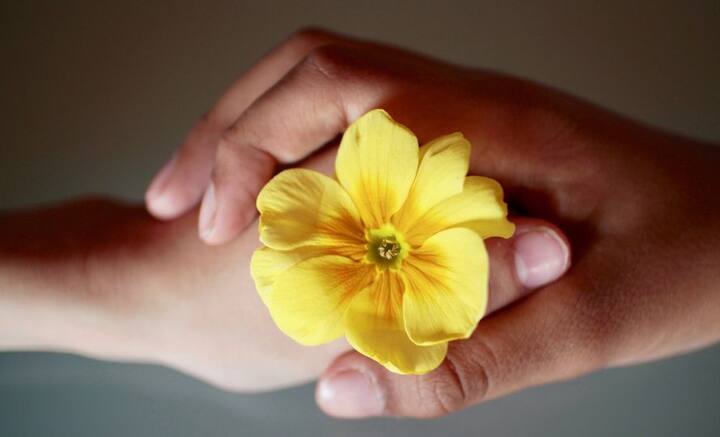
[388, 249]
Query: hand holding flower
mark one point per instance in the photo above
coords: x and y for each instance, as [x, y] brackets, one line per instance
[639, 206]
[392, 255]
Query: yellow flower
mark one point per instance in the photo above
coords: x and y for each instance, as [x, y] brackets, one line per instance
[390, 255]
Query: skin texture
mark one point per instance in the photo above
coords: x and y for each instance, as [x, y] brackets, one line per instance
[638, 206]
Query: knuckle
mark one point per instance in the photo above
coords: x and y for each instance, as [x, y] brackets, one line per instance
[248, 132]
[230, 138]
[242, 163]
[331, 61]
[227, 161]
[228, 147]
[474, 364]
[446, 392]
[248, 137]
[208, 121]
[459, 382]
[336, 63]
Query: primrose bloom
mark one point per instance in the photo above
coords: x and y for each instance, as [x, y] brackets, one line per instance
[391, 255]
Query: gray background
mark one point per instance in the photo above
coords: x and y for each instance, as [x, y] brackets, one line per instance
[95, 96]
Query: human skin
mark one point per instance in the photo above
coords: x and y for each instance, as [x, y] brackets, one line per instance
[639, 207]
[106, 280]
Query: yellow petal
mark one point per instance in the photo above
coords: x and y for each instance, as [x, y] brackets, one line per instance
[300, 207]
[441, 175]
[446, 287]
[376, 164]
[267, 264]
[308, 301]
[374, 327]
[479, 207]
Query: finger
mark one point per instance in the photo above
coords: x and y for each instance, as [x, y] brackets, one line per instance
[537, 254]
[531, 342]
[306, 109]
[181, 182]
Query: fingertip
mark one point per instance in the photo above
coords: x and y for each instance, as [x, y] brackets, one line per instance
[162, 206]
[350, 394]
[160, 198]
[172, 201]
[542, 254]
[350, 388]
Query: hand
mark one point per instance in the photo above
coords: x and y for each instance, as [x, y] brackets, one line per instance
[640, 207]
[106, 280]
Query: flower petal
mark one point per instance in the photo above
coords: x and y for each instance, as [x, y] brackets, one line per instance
[446, 287]
[267, 264]
[441, 175]
[300, 207]
[376, 164]
[374, 327]
[308, 301]
[479, 207]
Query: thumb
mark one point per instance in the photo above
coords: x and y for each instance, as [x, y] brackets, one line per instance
[356, 386]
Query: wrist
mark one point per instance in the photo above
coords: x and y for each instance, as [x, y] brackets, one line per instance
[68, 280]
[40, 305]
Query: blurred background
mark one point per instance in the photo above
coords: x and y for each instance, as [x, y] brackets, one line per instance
[95, 95]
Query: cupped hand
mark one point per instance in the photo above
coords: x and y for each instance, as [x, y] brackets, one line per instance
[638, 205]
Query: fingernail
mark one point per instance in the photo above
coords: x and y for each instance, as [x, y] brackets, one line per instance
[207, 213]
[350, 393]
[541, 257]
[156, 195]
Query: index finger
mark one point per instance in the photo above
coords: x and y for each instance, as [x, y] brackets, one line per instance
[310, 106]
[182, 181]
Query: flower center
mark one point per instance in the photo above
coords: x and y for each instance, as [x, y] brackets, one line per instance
[386, 247]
